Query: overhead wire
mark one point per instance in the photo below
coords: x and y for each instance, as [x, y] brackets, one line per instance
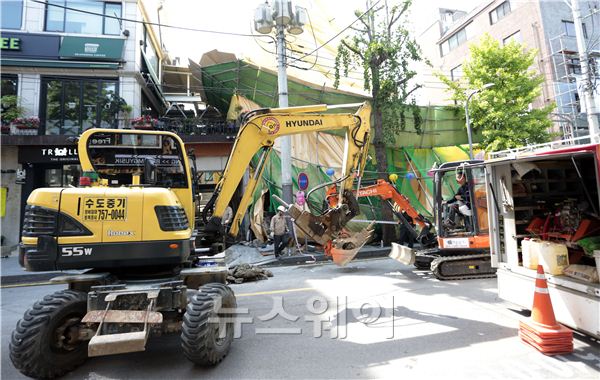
[121, 19]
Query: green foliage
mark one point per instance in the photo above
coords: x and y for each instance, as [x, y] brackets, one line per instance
[383, 50]
[110, 105]
[502, 112]
[10, 109]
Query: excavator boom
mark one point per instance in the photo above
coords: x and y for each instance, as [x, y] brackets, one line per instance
[258, 132]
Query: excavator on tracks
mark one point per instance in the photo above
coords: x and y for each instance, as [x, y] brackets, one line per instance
[129, 228]
[460, 249]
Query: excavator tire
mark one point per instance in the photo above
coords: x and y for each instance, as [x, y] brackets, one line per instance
[40, 346]
[202, 339]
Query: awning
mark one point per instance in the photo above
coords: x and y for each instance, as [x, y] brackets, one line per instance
[59, 64]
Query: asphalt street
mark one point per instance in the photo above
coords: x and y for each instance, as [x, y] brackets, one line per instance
[372, 319]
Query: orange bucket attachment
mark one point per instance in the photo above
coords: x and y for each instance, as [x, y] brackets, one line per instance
[343, 250]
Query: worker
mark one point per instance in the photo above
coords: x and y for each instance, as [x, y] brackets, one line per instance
[459, 204]
[279, 231]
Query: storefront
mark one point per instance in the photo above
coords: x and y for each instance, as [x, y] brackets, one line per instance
[44, 166]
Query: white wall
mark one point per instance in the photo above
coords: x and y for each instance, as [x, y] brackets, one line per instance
[10, 222]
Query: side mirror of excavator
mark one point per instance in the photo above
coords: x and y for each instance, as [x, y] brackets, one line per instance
[149, 172]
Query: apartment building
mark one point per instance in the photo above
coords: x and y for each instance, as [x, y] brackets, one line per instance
[545, 25]
[63, 60]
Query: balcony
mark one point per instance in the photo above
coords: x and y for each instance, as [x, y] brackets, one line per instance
[191, 130]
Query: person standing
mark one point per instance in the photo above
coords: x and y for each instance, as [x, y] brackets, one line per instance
[279, 231]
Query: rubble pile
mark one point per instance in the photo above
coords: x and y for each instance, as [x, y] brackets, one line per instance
[246, 272]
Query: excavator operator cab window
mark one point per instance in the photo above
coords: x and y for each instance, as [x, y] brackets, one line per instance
[465, 204]
[158, 159]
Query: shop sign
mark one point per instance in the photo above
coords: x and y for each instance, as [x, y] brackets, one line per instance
[91, 48]
[63, 154]
[10, 43]
[29, 46]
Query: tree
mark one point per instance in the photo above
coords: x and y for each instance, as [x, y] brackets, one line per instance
[502, 113]
[383, 50]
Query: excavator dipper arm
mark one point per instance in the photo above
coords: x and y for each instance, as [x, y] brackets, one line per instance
[399, 203]
[258, 132]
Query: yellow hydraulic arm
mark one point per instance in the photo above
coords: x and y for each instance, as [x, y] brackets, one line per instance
[259, 130]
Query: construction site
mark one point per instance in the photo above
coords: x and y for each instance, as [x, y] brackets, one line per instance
[216, 216]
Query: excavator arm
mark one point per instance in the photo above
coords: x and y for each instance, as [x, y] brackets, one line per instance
[399, 203]
[258, 132]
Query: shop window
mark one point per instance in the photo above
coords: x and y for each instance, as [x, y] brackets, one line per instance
[66, 175]
[93, 21]
[10, 85]
[11, 14]
[71, 106]
[499, 12]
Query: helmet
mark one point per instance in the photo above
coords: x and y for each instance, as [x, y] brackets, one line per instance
[281, 208]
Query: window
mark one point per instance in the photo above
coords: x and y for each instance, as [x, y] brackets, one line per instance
[574, 66]
[10, 85]
[59, 19]
[12, 14]
[71, 106]
[456, 73]
[516, 37]
[569, 29]
[453, 41]
[499, 12]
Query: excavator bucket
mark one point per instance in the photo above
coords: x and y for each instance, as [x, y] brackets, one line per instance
[327, 228]
[403, 254]
[343, 250]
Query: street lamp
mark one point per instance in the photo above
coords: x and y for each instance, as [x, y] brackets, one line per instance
[469, 134]
[282, 17]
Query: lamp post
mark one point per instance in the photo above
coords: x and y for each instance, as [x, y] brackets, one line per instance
[282, 18]
[469, 134]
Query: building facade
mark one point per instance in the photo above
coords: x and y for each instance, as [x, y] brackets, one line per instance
[67, 62]
[544, 25]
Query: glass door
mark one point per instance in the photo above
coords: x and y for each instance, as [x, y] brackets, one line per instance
[72, 113]
[53, 107]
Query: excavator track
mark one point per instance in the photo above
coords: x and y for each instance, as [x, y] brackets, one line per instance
[463, 267]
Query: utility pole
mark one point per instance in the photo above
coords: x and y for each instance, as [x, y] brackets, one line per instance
[283, 17]
[587, 92]
[286, 141]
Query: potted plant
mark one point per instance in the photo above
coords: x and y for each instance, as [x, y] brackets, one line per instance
[25, 126]
[144, 122]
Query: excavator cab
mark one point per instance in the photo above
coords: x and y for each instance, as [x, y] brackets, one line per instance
[461, 208]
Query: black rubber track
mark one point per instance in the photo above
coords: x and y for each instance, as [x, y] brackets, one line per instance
[199, 334]
[32, 346]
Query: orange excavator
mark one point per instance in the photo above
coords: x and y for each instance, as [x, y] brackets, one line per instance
[458, 250]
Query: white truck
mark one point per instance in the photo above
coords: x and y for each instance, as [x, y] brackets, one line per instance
[550, 192]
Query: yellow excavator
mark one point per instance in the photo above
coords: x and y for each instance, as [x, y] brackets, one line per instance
[259, 130]
[131, 225]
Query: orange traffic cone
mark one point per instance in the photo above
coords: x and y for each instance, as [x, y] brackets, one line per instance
[541, 330]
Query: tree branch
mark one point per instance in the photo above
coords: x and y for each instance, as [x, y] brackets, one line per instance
[411, 91]
[352, 49]
[359, 30]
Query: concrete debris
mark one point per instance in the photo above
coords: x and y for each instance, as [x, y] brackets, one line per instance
[247, 272]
